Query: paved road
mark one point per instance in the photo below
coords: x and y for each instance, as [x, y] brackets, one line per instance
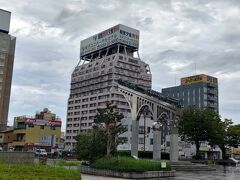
[222, 173]
[89, 177]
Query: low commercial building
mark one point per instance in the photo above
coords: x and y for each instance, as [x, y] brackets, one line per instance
[6, 139]
[41, 131]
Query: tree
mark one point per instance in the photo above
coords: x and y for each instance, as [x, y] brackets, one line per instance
[225, 134]
[219, 135]
[196, 125]
[233, 135]
[110, 120]
[91, 145]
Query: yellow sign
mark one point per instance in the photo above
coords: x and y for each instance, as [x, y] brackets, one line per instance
[204, 148]
[198, 78]
[234, 151]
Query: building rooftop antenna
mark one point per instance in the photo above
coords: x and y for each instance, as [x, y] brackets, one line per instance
[195, 66]
[175, 79]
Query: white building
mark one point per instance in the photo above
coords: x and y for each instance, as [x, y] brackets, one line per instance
[105, 57]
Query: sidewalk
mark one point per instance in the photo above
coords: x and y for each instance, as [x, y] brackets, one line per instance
[90, 177]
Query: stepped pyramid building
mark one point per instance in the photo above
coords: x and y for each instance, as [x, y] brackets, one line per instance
[105, 58]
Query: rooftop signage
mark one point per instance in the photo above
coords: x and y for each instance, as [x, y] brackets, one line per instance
[197, 79]
[5, 20]
[117, 34]
[43, 122]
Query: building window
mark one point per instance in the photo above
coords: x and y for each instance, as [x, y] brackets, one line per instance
[168, 143]
[148, 129]
[141, 141]
[205, 104]
[31, 125]
[53, 127]
[205, 90]
[151, 141]
[205, 96]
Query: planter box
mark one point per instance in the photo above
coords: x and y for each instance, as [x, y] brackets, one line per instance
[127, 175]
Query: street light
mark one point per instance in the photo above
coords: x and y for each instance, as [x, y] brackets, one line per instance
[157, 126]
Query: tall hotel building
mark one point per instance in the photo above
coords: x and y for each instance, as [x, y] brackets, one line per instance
[200, 91]
[105, 58]
[7, 50]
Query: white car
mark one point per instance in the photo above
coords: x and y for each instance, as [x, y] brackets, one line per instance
[40, 152]
[1, 149]
[234, 160]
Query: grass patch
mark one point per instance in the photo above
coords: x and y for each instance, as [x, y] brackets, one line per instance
[37, 172]
[62, 162]
[128, 164]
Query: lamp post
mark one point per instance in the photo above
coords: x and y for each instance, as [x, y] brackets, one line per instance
[157, 126]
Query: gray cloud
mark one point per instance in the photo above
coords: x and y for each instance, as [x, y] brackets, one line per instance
[174, 36]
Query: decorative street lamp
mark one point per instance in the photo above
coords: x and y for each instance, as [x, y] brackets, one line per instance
[157, 126]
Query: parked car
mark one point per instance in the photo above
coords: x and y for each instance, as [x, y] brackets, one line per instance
[11, 149]
[41, 152]
[234, 160]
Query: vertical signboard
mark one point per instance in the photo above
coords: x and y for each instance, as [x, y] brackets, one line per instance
[117, 34]
[4, 20]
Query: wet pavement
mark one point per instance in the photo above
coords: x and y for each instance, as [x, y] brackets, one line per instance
[222, 173]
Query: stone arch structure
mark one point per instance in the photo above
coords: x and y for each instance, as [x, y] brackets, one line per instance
[144, 107]
[163, 110]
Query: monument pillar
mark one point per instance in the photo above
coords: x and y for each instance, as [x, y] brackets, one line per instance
[135, 127]
[157, 144]
[134, 141]
[174, 151]
[174, 124]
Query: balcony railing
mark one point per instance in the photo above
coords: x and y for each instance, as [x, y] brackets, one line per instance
[211, 98]
[20, 127]
[212, 105]
[211, 91]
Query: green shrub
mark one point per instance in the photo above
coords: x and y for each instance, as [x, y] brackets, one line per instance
[37, 172]
[128, 164]
[61, 162]
[91, 145]
[209, 162]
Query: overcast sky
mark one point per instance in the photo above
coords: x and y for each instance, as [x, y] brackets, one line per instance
[174, 36]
